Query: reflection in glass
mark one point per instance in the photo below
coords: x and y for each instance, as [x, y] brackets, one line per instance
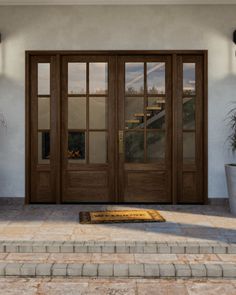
[77, 78]
[156, 113]
[76, 112]
[134, 113]
[189, 146]
[43, 78]
[189, 113]
[97, 112]
[43, 113]
[98, 78]
[43, 147]
[156, 77]
[134, 78]
[189, 78]
[155, 146]
[76, 146]
[98, 147]
[134, 146]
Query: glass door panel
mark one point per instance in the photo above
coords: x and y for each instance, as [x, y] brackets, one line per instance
[145, 129]
[86, 113]
[147, 113]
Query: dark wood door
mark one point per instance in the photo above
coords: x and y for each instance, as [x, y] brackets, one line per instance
[88, 130]
[116, 126]
[145, 128]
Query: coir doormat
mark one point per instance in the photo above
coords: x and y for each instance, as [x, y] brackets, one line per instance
[125, 216]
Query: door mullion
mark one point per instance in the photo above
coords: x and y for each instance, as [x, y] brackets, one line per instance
[87, 113]
[145, 111]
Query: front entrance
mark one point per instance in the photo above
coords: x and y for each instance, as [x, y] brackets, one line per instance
[116, 127]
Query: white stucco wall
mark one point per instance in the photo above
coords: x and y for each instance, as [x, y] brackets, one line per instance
[114, 27]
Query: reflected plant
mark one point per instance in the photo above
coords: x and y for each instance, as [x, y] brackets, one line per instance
[3, 121]
[232, 125]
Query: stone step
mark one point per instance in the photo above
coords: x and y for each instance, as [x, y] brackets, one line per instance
[117, 247]
[117, 270]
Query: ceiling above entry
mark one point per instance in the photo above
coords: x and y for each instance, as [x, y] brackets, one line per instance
[115, 2]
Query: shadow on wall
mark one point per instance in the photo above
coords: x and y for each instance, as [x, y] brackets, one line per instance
[11, 134]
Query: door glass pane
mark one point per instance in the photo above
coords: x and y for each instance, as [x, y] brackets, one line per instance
[76, 113]
[43, 78]
[76, 147]
[43, 147]
[156, 77]
[97, 112]
[156, 113]
[134, 78]
[189, 146]
[134, 115]
[76, 78]
[43, 113]
[155, 146]
[98, 147]
[134, 146]
[189, 79]
[98, 78]
[189, 113]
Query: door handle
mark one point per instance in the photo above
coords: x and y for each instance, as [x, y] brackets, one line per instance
[121, 141]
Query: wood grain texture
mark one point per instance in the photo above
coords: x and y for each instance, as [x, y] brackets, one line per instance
[167, 181]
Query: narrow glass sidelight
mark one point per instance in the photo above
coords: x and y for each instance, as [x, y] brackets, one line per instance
[77, 78]
[44, 112]
[189, 112]
[44, 79]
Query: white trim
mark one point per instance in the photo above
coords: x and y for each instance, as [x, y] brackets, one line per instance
[116, 2]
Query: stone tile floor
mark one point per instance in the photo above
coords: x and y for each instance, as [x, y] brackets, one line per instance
[47, 286]
[60, 223]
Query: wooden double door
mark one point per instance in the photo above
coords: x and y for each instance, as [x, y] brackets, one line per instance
[116, 127]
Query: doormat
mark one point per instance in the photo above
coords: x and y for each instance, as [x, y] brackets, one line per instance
[126, 216]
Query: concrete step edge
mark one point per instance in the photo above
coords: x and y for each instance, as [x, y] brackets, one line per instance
[117, 247]
[139, 270]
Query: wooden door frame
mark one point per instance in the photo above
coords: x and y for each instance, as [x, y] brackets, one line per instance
[115, 54]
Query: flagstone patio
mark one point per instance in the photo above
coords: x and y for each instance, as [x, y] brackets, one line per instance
[42, 286]
[195, 242]
[60, 223]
